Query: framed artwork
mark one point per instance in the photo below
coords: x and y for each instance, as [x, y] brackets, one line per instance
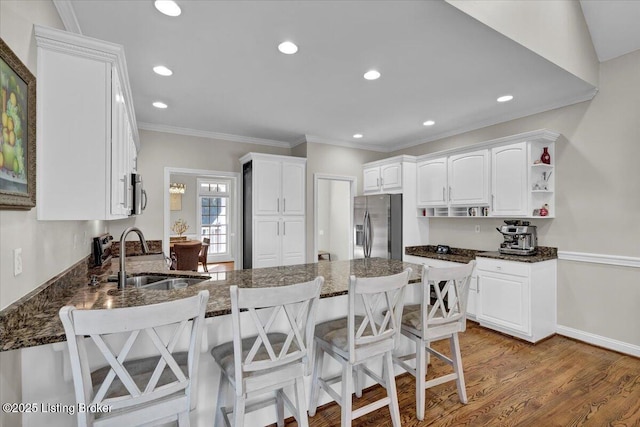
[18, 136]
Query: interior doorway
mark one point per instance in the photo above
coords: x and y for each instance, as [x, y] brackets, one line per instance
[333, 217]
[209, 204]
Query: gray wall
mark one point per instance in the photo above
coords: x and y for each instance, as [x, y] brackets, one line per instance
[597, 201]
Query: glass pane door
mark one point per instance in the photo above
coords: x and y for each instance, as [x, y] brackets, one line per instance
[215, 213]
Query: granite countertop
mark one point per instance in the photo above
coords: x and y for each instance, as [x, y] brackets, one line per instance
[33, 320]
[460, 255]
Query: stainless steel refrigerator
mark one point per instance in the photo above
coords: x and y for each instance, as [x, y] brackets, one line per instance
[378, 226]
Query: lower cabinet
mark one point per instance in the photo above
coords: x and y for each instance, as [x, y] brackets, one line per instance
[278, 241]
[517, 298]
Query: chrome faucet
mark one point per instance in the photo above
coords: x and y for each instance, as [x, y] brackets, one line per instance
[122, 275]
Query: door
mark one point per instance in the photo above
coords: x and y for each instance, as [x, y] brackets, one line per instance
[293, 240]
[391, 176]
[371, 179]
[215, 219]
[509, 180]
[432, 182]
[267, 186]
[503, 301]
[469, 178]
[266, 242]
[379, 209]
[293, 186]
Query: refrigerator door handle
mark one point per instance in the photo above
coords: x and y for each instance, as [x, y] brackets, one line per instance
[367, 235]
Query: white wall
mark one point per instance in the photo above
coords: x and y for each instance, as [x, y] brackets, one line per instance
[597, 200]
[322, 212]
[340, 219]
[48, 247]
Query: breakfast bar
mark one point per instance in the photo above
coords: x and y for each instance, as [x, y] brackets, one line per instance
[32, 326]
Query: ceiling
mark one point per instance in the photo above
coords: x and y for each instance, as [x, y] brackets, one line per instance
[230, 81]
[613, 26]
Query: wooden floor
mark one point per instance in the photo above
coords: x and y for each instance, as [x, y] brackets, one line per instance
[557, 382]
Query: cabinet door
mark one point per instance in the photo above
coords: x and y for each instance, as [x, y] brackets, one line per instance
[471, 301]
[503, 300]
[432, 182]
[119, 150]
[267, 185]
[293, 240]
[391, 176]
[371, 179]
[509, 180]
[293, 189]
[469, 178]
[266, 242]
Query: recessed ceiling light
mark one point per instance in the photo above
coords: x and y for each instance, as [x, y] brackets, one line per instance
[162, 70]
[159, 104]
[372, 75]
[168, 7]
[288, 48]
[429, 123]
[357, 135]
[505, 98]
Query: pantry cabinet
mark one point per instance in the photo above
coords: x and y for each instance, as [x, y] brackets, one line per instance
[517, 298]
[274, 227]
[87, 138]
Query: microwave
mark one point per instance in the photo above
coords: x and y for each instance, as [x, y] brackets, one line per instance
[139, 195]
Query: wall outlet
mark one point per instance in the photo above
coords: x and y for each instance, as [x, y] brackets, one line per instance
[477, 228]
[17, 261]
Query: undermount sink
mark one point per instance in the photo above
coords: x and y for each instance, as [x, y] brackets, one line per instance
[163, 283]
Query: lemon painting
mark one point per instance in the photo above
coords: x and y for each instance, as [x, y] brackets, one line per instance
[13, 138]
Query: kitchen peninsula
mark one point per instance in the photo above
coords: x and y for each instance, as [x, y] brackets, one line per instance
[31, 325]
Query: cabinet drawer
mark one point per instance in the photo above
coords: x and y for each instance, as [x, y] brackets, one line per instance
[506, 267]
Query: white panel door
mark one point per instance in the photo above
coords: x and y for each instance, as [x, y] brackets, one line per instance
[509, 180]
[371, 179]
[266, 242]
[267, 185]
[432, 182]
[503, 300]
[293, 240]
[293, 189]
[469, 178]
[391, 176]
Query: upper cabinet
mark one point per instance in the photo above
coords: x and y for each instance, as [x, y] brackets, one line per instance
[468, 175]
[87, 139]
[383, 177]
[432, 182]
[511, 176]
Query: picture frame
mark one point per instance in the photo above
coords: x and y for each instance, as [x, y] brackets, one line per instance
[17, 132]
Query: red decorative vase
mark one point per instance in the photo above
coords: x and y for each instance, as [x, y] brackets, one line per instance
[544, 211]
[545, 158]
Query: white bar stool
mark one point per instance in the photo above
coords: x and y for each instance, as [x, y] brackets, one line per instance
[356, 339]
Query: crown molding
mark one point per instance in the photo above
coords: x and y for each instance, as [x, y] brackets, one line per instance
[212, 135]
[68, 15]
[320, 140]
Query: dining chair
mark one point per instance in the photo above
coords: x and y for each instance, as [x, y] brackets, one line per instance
[202, 257]
[151, 390]
[360, 338]
[268, 362]
[187, 255]
[437, 318]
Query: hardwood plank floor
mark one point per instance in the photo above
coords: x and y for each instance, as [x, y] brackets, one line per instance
[557, 382]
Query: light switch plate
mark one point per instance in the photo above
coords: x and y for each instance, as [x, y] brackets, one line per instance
[17, 261]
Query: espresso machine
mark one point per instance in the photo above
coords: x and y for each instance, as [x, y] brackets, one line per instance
[520, 238]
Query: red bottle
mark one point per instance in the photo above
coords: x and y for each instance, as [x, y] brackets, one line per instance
[545, 158]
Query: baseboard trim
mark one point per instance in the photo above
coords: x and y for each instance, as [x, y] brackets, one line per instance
[624, 261]
[600, 341]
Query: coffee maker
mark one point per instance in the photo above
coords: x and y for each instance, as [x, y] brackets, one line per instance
[520, 238]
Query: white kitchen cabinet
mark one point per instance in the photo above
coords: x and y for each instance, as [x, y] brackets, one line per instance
[86, 128]
[274, 224]
[432, 182]
[383, 176]
[517, 298]
[279, 184]
[509, 180]
[468, 178]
